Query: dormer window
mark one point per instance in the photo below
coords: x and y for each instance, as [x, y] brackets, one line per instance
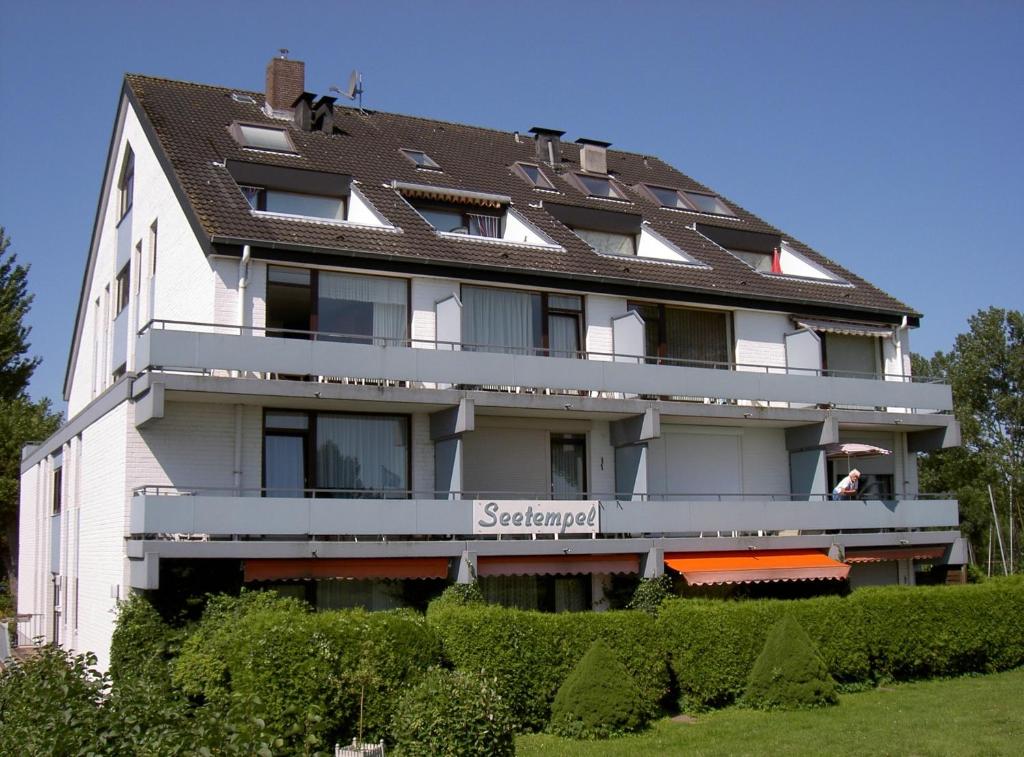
[421, 159]
[761, 261]
[473, 220]
[667, 198]
[262, 137]
[608, 242]
[599, 186]
[534, 175]
[707, 203]
[294, 203]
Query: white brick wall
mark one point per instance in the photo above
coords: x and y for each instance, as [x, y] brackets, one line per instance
[600, 310]
[103, 516]
[601, 478]
[184, 285]
[425, 294]
[422, 450]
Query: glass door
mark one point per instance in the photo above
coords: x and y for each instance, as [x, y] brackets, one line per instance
[568, 467]
[284, 469]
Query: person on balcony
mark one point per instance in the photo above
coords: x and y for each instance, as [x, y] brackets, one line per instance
[847, 488]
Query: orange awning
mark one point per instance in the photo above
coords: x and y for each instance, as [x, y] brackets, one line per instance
[701, 568]
[554, 565]
[365, 567]
[894, 553]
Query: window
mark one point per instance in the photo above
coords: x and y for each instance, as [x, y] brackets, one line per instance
[421, 159]
[608, 242]
[568, 466]
[295, 203]
[262, 137]
[683, 335]
[126, 185]
[599, 186]
[852, 356]
[534, 175]
[522, 323]
[474, 220]
[152, 248]
[764, 262]
[123, 289]
[351, 455]
[58, 483]
[344, 308]
[707, 203]
[668, 198]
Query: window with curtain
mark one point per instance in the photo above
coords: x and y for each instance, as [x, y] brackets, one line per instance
[363, 309]
[367, 454]
[568, 467]
[608, 242]
[460, 218]
[501, 320]
[521, 323]
[685, 335]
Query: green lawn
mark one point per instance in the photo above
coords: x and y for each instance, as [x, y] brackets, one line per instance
[982, 715]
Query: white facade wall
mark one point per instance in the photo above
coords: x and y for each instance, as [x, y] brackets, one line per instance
[760, 339]
[600, 309]
[103, 514]
[31, 553]
[425, 294]
[601, 479]
[421, 447]
[183, 288]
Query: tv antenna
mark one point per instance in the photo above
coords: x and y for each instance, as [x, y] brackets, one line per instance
[354, 88]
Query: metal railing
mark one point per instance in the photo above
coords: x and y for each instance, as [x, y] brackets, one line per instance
[437, 344]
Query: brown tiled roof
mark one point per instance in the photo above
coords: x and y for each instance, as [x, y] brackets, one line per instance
[191, 123]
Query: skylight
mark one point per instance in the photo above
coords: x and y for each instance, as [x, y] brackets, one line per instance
[421, 159]
[708, 203]
[534, 175]
[599, 186]
[262, 137]
[669, 198]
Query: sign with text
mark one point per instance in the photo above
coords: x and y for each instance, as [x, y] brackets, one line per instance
[521, 516]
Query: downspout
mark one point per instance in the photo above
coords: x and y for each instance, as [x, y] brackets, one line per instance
[243, 285]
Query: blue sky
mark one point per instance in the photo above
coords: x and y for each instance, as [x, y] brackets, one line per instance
[887, 135]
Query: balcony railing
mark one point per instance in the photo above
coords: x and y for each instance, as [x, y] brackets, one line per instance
[158, 511]
[207, 348]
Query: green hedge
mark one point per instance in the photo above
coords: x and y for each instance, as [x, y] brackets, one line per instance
[531, 653]
[874, 634]
[143, 644]
[296, 662]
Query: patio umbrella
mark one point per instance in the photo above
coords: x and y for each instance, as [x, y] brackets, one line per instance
[839, 450]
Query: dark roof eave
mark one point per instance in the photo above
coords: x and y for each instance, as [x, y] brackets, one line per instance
[605, 284]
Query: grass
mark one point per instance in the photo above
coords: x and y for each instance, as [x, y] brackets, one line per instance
[977, 715]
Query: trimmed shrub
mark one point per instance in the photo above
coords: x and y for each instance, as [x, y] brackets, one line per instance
[300, 664]
[529, 654]
[454, 713]
[877, 633]
[143, 645]
[599, 698]
[460, 595]
[789, 674]
[650, 593]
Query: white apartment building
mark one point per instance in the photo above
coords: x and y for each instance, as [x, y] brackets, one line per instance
[356, 356]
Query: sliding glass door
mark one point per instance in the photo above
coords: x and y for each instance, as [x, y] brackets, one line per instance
[521, 323]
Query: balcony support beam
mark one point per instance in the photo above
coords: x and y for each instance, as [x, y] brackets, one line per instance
[631, 471]
[466, 573]
[652, 565]
[453, 421]
[811, 435]
[446, 429]
[934, 438]
[636, 428]
[150, 406]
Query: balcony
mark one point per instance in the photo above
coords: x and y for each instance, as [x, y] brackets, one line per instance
[208, 349]
[176, 513]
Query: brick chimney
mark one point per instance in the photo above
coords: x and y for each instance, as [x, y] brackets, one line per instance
[286, 80]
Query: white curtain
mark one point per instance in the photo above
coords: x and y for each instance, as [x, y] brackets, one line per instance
[363, 453]
[387, 299]
[511, 591]
[497, 320]
[563, 335]
[608, 242]
[285, 461]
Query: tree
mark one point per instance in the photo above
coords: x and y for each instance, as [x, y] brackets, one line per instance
[15, 368]
[986, 371]
[21, 420]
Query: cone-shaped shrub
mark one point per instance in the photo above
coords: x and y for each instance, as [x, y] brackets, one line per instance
[789, 673]
[598, 699]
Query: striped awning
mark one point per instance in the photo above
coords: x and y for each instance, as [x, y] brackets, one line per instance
[451, 194]
[556, 565]
[885, 554]
[704, 568]
[362, 567]
[851, 328]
